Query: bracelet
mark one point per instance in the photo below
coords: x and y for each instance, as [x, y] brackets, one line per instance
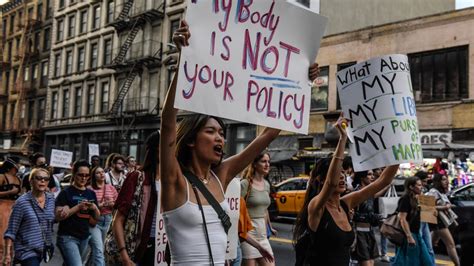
[340, 158]
[122, 248]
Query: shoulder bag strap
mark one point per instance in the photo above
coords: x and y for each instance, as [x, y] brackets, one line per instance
[206, 233]
[195, 182]
[37, 218]
[249, 188]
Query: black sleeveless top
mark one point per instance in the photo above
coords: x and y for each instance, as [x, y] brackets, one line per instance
[7, 187]
[329, 244]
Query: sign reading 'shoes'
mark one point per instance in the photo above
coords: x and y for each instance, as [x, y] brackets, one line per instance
[377, 97]
[248, 61]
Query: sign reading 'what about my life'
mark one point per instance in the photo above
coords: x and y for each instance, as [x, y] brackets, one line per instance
[377, 97]
[248, 61]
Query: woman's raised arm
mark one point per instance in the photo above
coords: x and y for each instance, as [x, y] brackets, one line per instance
[357, 197]
[169, 167]
[333, 177]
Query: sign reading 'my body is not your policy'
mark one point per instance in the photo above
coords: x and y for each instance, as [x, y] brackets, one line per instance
[377, 97]
[248, 61]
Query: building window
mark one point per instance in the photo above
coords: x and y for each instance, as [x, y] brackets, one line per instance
[41, 110]
[46, 40]
[54, 105]
[4, 27]
[57, 65]
[440, 75]
[80, 58]
[31, 112]
[12, 23]
[243, 136]
[110, 11]
[78, 102]
[319, 90]
[60, 31]
[61, 3]
[339, 68]
[26, 73]
[93, 56]
[83, 23]
[44, 69]
[96, 17]
[107, 51]
[104, 106]
[71, 30]
[34, 71]
[90, 99]
[66, 103]
[68, 62]
[174, 25]
[48, 8]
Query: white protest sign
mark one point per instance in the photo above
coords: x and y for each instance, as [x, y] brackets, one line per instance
[61, 159]
[248, 61]
[378, 98]
[93, 150]
[232, 195]
[160, 238]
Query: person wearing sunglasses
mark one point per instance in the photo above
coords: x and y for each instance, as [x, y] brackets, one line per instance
[30, 228]
[75, 206]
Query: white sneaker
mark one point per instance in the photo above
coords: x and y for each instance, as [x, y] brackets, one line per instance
[385, 258]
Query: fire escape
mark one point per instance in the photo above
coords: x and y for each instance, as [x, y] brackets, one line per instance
[27, 52]
[130, 21]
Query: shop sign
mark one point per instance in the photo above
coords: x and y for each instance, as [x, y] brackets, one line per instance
[435, 138]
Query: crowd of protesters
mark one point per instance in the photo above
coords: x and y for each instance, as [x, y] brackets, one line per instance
[107, 215]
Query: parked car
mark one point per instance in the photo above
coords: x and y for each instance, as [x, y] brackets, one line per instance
[288, 197]
[463, 200]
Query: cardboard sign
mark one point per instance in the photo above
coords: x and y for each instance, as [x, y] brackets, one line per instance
[161, 238]
[377, 97]
[248, 61]
[232, 196]
[428, 209]
[61, 159]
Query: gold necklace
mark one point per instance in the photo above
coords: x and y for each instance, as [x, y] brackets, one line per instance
[205, 180]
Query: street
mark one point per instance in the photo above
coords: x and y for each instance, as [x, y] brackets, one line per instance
[284, 253]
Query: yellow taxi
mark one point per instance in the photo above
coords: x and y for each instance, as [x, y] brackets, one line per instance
[289, 196]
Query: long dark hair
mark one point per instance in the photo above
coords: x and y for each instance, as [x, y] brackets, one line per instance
[438, 184]
[315, 184]
[187, 132]
[358, 178]
[93, 178]
[410, 182]
[152, 159]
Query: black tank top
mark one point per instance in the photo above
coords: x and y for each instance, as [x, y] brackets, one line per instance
[329, 244]
[7, 187]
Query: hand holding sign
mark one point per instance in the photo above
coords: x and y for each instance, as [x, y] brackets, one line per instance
[181, 35]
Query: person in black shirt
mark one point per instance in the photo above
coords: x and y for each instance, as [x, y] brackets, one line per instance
[414, 250]
[75, 205]
[328, 212]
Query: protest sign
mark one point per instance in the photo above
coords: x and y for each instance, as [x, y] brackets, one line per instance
[377, 97]
[248, 61]
[160, 238]
[232, 195]
[61, 159]
[428, 209]
[93, 150]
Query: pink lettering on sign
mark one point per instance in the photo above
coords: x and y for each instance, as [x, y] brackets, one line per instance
[266, 20]
[203, 75]
[251, 54]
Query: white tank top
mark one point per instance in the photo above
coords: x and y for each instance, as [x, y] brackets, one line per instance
[185, 231]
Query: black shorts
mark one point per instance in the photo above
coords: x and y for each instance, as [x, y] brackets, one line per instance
[366, 246]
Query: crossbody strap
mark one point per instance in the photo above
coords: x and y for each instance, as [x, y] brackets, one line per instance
[37, 218]
[206, 233]
[195, 182]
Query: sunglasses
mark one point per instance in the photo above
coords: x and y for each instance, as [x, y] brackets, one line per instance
[83, 175]
[42, 178]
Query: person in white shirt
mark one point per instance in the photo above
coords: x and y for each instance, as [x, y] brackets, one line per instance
[116, 175]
